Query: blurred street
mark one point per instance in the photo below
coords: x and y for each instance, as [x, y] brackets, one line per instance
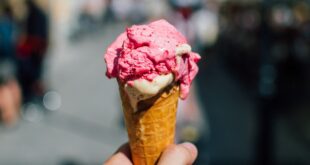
[250, 103]
[86, 128]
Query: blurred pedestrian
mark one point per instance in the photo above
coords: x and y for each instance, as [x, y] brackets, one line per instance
[31, 51]
[191, 122]
[108, 15]
[10, 97]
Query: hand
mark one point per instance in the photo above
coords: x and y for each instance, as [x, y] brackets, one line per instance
[181, 154]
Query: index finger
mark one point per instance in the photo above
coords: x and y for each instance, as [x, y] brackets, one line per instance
[121, 156]
[182, 154]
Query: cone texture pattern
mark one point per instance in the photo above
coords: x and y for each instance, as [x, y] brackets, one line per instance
[152, 128]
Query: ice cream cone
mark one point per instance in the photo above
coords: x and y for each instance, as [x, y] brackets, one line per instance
[152, 127]
[154, 66]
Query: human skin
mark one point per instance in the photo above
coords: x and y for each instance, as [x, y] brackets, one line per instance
[181, 154]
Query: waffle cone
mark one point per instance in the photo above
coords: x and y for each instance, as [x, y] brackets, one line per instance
[152, 128]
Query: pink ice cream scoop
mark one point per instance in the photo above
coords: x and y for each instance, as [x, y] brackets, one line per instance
[148, 51]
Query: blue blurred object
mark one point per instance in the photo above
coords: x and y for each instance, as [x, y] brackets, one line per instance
[186, 3]
[7, 44]
[7, 29]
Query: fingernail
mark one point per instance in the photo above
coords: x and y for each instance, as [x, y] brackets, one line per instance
[189, 146]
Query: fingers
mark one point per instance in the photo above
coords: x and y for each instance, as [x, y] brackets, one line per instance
[182, 154]
[125, 149]
[121, 156]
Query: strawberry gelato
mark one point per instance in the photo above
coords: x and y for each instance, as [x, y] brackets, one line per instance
[150, 57]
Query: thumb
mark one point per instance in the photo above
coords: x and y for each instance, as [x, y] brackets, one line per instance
[182, 154]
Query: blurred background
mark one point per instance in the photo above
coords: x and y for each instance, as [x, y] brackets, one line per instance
[250, 102]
